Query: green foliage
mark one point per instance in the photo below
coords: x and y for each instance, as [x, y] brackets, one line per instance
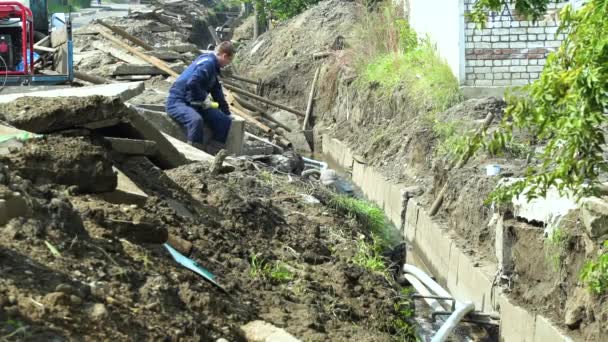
[450, 135]
[555, 247]
[564, 108]
[404, 308]
[367, 214]
[276, 271]
[67, 6]
[18, 330]
[532, 9]
[279, 9]
[595, 273]
[369, 256]
[392, 55]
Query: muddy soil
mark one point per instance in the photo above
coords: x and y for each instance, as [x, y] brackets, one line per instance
[403, 140]
[76, 267]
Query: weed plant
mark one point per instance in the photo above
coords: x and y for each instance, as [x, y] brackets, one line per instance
[595, 273]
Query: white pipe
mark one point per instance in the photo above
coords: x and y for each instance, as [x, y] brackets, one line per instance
[320, 164]
[421, 289]
[461, 309]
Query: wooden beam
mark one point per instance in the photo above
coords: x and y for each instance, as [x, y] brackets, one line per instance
[311, 98]
[265, 115]
[246, 116]
[262, 99]
[152, 60]
[126, 35]
[216, 39]
[90, 78]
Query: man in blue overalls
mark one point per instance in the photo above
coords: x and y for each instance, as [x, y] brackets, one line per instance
[190, 90]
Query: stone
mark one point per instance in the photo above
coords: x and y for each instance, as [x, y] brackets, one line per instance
[57, 299]
[574, 312]
[98, 312]
[65, 288]
[260, 331]
[189, 152]
[595, 216]
[75, 300]
[163, 122]
[296, 136]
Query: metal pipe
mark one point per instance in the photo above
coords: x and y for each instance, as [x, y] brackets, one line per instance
[461, 309]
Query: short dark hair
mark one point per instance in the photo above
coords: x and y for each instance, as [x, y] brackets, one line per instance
[227, 48]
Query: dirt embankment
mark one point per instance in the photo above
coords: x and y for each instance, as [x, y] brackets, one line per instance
[412, 145]
[77, 267]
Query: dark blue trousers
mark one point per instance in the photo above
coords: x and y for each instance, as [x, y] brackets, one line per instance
[193, 121]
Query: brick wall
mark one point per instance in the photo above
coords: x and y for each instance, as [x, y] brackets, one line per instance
[509, 51]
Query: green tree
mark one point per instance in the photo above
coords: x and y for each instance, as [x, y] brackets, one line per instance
[565, 108]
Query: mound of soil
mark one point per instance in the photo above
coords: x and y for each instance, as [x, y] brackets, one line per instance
[282, 57]
[75, 267]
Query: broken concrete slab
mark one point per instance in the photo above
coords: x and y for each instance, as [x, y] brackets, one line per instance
[548, 210]
[133, 146]
[260, 331]
[162, 122]
[49, 114]
[595, 216]
[134, 77]
[167, 156]
[126, 192]
[188, 151]
[165, 55]
[124, 91]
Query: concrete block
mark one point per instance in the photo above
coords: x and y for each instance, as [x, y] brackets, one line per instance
[411, 220]
[546, 210]
[516, 323]
[127, 192]
[189, 152]
[124, 91]
[473, 284]
[236, 136]
[132, 146]
[167, 156]
[452, 281]
[162, 122]
[260, 331]
[503, 245]
[546, 331]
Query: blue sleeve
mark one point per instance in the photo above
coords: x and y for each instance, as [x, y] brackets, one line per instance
[195, 84]
[218, 95]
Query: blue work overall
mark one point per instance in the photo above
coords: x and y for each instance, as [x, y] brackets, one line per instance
[194, 85]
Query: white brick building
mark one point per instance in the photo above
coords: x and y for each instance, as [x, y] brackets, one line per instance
[508, 51]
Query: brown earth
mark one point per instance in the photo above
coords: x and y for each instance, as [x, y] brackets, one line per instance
[104, 275]
[402, 139]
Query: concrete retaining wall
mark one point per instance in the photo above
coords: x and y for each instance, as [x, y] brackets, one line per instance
[466, 279]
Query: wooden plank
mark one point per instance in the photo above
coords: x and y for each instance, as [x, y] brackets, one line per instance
[116, 53]
[152, 60]
[246, 116]
[216, 39]
[90, 78]
[262, 99]
[311, 98]
[119, 31]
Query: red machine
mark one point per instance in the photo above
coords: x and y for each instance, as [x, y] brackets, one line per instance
[16, 45]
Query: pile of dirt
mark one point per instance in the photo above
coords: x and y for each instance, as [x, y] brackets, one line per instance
[77, 267]
[283, 57]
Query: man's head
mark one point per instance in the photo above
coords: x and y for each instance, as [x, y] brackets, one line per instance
[224, 52]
